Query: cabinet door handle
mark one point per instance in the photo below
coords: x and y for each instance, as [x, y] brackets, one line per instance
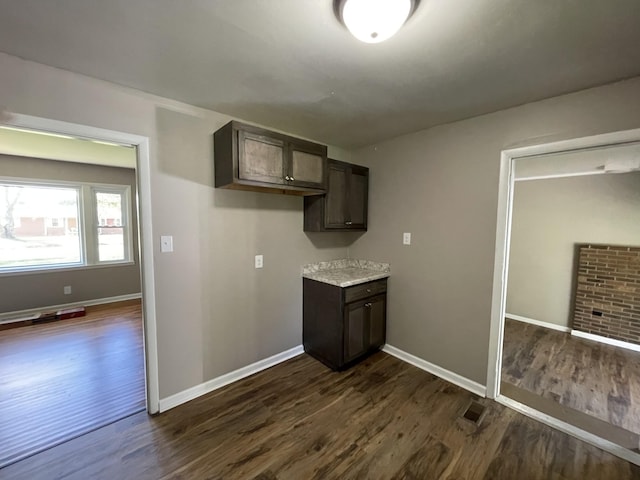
[291, 178]
[348, 223]
[287, 177]
[367, 304]
[368, 290]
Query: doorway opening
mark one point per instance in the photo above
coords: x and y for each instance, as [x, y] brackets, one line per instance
[536, 365]
[94, 238]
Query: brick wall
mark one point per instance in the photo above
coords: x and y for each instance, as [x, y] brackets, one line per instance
[607, 300]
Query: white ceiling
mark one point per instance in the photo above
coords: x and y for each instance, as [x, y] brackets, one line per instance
[290, 65]
[23, 143]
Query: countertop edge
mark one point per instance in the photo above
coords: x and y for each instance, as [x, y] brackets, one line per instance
[348, 283]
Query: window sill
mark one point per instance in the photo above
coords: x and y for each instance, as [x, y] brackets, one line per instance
[40, 271]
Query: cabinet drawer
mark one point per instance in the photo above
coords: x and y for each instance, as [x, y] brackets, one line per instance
[364, 290]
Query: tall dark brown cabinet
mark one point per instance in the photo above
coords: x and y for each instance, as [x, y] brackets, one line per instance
[344, 207]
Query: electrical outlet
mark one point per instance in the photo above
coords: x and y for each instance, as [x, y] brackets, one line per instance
[67, 289]
[259, 261]
[166, 243]
[406, 239]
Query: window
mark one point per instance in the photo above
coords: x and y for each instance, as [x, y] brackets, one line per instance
[111, 230]
[29, 237]
[44, 226]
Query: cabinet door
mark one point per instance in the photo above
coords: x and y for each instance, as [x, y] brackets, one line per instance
[358, 183]
[260, 158]
[307, 168]
[335, 207]
[355, 343]
[377, 321]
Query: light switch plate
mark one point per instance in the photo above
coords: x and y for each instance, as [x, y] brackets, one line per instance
[259, 261]
[166, 243]
[406, 239]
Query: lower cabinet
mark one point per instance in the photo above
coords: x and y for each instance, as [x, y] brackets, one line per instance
[343, 325]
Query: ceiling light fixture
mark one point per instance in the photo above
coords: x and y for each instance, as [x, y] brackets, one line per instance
[374, 21]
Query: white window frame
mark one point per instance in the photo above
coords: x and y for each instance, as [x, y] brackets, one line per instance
[125, 194]
[87, 224]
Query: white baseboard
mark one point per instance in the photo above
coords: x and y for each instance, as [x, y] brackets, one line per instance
[538, 323]
[30, 314]
[447, 375]
[608, 341]
[219, 382]
[572, 430]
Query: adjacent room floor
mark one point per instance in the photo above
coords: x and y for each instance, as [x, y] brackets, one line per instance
[62, 379]
[600, 380]
[382, 419]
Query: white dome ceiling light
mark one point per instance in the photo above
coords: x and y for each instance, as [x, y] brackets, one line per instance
[374, 21]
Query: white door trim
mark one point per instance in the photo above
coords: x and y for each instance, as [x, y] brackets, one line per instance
[503, 232]
[145, 232]
[590, 438]
[503, 236]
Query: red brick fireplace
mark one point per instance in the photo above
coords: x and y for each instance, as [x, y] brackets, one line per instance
[607, 298]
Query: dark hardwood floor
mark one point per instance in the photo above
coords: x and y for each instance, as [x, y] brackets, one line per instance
[382, 419]
[67, 377]
[597, 379]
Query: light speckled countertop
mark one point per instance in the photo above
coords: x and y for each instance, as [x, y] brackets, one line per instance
[346, 272]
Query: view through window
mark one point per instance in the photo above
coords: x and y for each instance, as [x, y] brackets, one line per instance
[39, 226]
[47, 226]
[111, 242]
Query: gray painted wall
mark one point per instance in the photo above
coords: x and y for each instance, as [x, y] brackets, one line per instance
[441, 185]
[22, 291]
[215, 312]
[549, 218]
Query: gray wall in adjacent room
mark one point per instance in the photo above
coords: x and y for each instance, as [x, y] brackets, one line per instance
[550, 217]
[28, 290]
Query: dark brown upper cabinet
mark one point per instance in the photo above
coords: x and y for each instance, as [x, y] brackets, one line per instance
[344, 207]
[253, 158]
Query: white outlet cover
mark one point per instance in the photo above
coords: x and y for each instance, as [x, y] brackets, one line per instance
[259, 261]
[406, 238]
[166, 243]
[67, 290]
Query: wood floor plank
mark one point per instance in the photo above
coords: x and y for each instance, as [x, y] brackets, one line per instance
[555, 455]
[302, 426]
[594, 378]
[298, 420]
[588, 423]
[428, 461]
[64, 378]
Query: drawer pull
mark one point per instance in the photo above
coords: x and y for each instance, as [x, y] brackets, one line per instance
[367, 304]
[368, 290]
[348, 223]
